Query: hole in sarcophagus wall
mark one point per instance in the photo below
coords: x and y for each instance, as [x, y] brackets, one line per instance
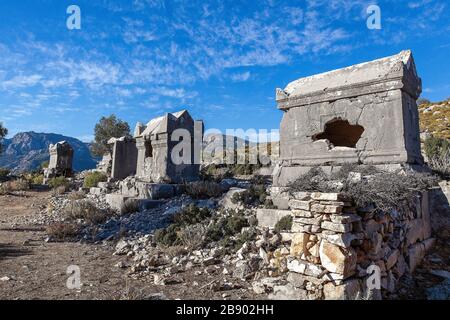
[340, 133]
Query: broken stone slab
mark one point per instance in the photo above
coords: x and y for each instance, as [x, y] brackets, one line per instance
[415, 231]
[298, 244]
[337, 259]
[268, 218]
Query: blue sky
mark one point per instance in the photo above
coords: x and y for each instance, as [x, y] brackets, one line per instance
[221, 60]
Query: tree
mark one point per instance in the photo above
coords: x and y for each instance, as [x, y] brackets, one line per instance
[105, 129]
[3, 133]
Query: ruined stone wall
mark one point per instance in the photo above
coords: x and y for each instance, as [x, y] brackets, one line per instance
[334, 243]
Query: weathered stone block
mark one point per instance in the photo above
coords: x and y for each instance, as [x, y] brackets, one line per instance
[321, 208]
[336, 227]
[269, 217]
[337, 259]
[299, 204]
[349, 290]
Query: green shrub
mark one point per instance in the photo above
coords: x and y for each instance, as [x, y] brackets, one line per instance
[437, 151]
[175, 234]
[191, 215]
[44, 165]
[37, 179]
[255, 195]
[58, 182]
[167, 236]
[226, 227]
[284, 224]
[92, 179]
[4, 173]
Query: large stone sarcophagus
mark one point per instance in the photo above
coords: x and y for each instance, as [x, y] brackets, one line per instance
[364, 114]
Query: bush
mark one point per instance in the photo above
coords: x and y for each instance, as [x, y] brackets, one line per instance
[15, 185]
[58, 182]
[437, 151]
[37, 179]
[255, 195]
[284, 224]
[167, 236]
[191, 215]
[193, 236]
[204, 189]
[92, 179]
[60, 190]
[44, 165]
[173, 235]
[4, 173]
[226, 227]
[62, 231]
[129, 206]
[86, 211]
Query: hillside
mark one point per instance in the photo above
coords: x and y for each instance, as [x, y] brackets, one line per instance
[27, 150]
[435, 118]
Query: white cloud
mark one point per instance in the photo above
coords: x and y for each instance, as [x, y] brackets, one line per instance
[239, 77]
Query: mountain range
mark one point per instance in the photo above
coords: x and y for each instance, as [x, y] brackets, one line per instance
[26, 151]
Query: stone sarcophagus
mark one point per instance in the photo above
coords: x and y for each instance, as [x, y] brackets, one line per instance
[157, 143]
[364, 114]
[61, 158]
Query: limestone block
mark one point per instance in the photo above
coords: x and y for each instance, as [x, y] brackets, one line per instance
[341, 239]
[304, 267]
[415, 232]
[116, 201]
[326, 196]
[336, 227]
[298, 244]
[288, 292]
[392, 258]
[345, 218]
[416, 252]
[299, 204]
[349, 290]
[337, 259]
[322, 208]
[302, 213]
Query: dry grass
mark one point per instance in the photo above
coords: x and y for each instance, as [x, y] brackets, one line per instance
[129, 206]
[86, 211]
[62, 231]
[203, 189]
[435, 119]
[13, 186]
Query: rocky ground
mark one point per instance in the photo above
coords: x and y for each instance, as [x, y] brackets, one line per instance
[118, 265]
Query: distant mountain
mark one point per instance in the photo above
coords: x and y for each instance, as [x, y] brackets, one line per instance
[27, 150]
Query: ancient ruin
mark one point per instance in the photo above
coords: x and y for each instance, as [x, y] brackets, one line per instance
[145, 163]
[156, 142]
[61, 158]
[364, 114]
